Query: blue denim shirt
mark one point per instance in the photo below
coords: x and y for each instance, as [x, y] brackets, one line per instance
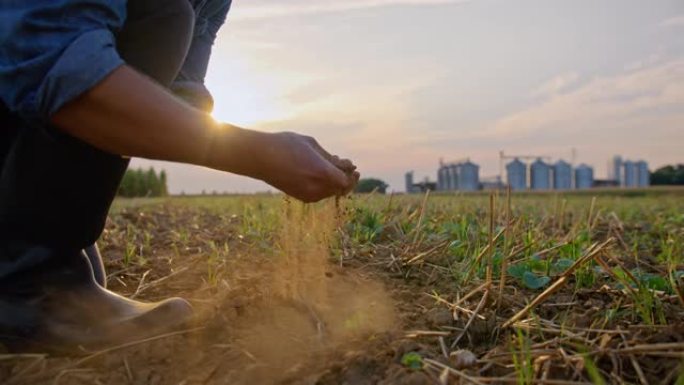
[51, 51]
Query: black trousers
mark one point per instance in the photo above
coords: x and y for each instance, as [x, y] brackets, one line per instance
[55, 190]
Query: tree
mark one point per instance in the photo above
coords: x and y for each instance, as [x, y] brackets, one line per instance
[141, 183]
[152, 186]
[668, 175]
[162, 182]
[367, 185]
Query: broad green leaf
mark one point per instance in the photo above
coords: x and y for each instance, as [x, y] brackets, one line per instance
[561, 265]
[518, 270]
[534, 281]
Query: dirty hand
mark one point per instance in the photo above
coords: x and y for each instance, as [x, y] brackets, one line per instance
[300, 167]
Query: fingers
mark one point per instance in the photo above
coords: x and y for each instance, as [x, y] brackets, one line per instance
[355, 175]
[345, 182]
[335, 177]
[345, 165]
[319, 148]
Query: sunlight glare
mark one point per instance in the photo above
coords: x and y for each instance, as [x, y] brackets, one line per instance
[245, 95]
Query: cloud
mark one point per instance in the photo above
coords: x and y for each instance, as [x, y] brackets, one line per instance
[275, 8]
[654, 93]
[675, 21]
[557, 84]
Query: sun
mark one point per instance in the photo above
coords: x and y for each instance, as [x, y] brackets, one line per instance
[248, 96]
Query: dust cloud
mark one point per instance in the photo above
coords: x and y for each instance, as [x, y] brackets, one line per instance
[313, 308]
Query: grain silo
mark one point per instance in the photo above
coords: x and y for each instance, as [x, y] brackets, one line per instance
[441, 180]
[453, 177]
[468, 176]
[446, 182]
[540, 175]
[562, 175]
[615, 169]
[408, 179]
[629, 175]
[584, 177]
[516, 174]
[643, 175]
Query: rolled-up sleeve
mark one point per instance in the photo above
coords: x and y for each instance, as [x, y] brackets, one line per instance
[52, 51]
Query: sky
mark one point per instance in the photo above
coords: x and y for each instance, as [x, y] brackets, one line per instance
[397, 85]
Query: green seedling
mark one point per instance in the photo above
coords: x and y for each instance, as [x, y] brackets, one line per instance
[412, 360]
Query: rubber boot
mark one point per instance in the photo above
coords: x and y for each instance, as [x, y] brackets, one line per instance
[57, 306]
[95, 259]
[55, 192]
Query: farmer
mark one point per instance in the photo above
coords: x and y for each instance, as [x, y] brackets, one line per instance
[85, 84]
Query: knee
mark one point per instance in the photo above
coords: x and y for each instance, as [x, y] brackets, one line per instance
[156, 37]
[180, 16]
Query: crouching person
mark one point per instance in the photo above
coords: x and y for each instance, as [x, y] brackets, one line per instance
[84, 86]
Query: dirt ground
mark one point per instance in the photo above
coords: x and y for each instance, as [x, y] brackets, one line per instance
[246, 330]
[271, 311]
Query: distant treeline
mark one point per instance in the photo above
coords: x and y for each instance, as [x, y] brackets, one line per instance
[143, 183]
[668, 175]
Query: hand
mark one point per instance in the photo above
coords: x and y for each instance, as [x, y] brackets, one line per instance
[300, 167]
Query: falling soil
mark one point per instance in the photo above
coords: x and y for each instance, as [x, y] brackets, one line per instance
[310, 308]
[281, 336]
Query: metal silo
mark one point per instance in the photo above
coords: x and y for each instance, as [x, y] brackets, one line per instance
[540, 175]
[629, 175]
[516, 174]
[446, 182]
[562, 175]
[584, 177]
[469, 176]
[615, 169]
[643, 175]
[452, 177]
[441, 182]
[408, 179]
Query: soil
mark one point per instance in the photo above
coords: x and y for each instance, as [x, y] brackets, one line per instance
[289, 316]
[275, 306]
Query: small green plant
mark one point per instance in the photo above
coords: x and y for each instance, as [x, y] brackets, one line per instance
[214, 262]
[129, 253]
[522, 359]
[366, 226]
[412, 360]
[534, 272]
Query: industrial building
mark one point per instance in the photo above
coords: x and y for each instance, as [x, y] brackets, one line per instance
[540, 175]
[408, 180]
[562, 175]
[516, 174]
[584, 177]
[544, 176]
[468, 176]
[627, 173]
[419, 187]
[643, 175]
[452, 177]
[615, 169]
[441, 178]
[628, 177]
[458, 176]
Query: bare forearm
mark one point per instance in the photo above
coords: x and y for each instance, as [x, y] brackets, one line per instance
[128, 114]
